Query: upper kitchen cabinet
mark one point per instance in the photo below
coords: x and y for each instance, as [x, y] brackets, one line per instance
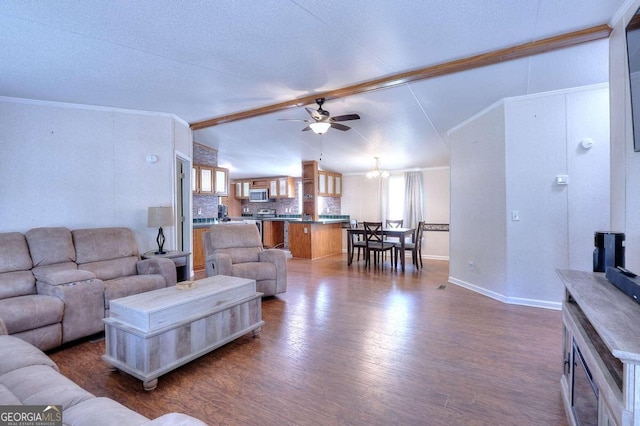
[329, 184]
[207, 180]
[222, 181]
[242, 189]
[202, 180]
[282, 187]
[310, 190]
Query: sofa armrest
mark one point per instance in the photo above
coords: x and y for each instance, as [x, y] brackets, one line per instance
[64, 277]
[175, 419]
[83, 306]
[218, 264]
[279, 259]
[159, 266]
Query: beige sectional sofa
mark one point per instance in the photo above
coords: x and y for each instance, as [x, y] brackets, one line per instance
[29, 377]
[56, 284]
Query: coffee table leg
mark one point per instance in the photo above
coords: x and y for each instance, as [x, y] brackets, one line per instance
[150, 384]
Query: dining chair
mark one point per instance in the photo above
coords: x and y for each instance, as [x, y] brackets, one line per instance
[391, 223]
[357, 241]
[415, 246]
[375, 243]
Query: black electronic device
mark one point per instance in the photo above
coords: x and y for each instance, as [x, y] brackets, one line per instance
[627, 284]
[609, 250]
[626, 272]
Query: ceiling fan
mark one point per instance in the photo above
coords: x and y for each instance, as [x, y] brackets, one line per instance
[322, 120]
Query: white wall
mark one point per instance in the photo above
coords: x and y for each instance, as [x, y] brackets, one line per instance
[478, 204]
[513, 153]
[83, 167]
[360, 200]
[625, 163]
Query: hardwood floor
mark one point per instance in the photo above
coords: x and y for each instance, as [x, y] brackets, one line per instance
[347, 345]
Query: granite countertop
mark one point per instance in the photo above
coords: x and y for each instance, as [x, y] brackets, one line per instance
[207, 222]
[300, 220]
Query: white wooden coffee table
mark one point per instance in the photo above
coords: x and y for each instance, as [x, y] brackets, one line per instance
[152, 333]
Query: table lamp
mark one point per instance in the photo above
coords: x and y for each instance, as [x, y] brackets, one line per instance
[160, 216]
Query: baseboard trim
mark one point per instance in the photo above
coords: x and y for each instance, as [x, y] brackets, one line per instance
[545, 304]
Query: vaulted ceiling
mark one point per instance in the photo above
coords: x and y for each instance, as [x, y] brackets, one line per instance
[206, 59]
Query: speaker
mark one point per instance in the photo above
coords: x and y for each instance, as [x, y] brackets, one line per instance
[609, 251]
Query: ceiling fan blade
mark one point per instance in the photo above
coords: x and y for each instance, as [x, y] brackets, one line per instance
[340, 126]
[294, 119]
[306, 128]
[345, 117]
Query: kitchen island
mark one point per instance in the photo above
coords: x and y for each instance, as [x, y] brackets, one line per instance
[315, 239]
[308, 239]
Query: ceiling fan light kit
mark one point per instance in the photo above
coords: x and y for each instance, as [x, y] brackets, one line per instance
[321, 120]
[320, 127]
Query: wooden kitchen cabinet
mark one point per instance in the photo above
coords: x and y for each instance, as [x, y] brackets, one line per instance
[282, 187]
[309, 190]
[202, 180]
[208, 180]
[329, 184]
[273, 233]
[242, 189]
[311, 240]
[198, 248]
[221, 181]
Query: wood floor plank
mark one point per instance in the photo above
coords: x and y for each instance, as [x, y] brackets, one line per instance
[356, 346]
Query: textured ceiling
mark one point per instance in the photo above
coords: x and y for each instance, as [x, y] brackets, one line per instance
[204, 59]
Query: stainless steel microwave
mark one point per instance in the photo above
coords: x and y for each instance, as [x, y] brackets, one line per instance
[259, 195]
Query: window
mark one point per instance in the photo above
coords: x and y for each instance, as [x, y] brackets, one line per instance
[395, 208]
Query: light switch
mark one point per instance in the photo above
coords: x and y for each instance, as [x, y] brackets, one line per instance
[562, 180]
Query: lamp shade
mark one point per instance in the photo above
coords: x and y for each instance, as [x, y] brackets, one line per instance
[320, 127]
[160, 216]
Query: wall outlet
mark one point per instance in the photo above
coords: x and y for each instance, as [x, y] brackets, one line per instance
[199, 210]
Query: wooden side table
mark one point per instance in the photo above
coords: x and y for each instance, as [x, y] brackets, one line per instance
[180, 258]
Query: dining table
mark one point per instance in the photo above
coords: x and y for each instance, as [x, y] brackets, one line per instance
[400, 233]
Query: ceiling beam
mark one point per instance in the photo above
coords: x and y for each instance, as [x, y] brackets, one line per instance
[470, 62]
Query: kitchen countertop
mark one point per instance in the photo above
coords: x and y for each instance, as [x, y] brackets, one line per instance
[205, 223]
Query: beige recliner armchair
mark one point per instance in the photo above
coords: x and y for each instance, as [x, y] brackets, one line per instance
[236, 250]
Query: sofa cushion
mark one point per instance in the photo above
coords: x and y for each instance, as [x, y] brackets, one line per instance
[114, 268]
[41, 384]
[23, 313]
[14, 253]
[126, 286]
[65, 276]
[45, 338]
[102, 412]
[7, 397]
[50, 245]
[22, 355]
[94, 245]
[19, 283]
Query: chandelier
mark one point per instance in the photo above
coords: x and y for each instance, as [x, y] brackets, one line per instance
[377, 172]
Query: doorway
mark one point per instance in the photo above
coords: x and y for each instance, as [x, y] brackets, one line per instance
[183, 204]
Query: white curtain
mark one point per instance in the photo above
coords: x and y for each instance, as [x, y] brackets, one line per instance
[383, 197]
[413, 199]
